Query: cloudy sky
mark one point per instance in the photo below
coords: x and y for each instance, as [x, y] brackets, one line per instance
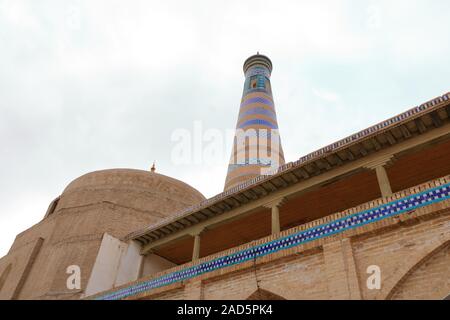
[88, 85]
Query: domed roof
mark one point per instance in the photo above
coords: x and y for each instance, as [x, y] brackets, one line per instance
[136, 189]
[127, 177]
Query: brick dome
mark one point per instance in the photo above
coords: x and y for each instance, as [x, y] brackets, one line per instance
[116, 202]
[151, 192]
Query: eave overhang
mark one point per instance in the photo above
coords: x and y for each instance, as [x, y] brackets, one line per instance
[414, 122]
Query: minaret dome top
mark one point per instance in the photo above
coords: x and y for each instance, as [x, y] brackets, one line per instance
[257, 59]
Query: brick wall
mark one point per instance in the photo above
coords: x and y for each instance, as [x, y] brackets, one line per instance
[431, 280]
[412, 251]
[414, 262]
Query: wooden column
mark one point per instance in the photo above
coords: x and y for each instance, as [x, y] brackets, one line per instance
[275, 207]
[275, 220]
[382, 177]
[196, 249]
[383, 181]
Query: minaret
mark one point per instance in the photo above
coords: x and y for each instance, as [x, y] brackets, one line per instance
[257, 148]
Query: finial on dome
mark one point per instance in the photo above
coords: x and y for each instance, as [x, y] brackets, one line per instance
[153, 168]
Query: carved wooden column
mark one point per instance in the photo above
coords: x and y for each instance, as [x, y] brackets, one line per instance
[274, 206]
[196, 249]
[382, 177]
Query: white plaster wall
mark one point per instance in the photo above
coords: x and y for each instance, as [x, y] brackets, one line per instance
[153, 263]
[106, 265]
[118, 263]
[130, 264]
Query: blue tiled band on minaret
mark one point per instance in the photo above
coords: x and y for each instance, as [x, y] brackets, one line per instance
[257, 112]
[260, 100]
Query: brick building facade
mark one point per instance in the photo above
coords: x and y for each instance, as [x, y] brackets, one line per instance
[376, 203]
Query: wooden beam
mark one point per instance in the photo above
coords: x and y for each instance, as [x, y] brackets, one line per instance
[315, 168]
[154, 235]
[236, 202]
[284, 178]
[226, 205]
[159, 233]
[350, 155]
[420, 125]
[216, 209]
[261, 189]
[244, 196]
[405, 131]
[304, 185]
[331, 163]
[297, 175]
[179, 224]
[141, 242]
[252, 194]
[193, 219]
[304, 173]
[166, 230]
[200, 215]
[293, 178]
[208, 212]
[437, 122]
[375, 143]
[390, 137]
[447, 108]
[274, 187]
[172, 228]
[185, 221]
[283, 182]
[147, 238]
[337, 159]
[362, 149]
[325, 163]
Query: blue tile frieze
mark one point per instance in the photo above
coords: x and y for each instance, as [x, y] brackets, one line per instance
[411, 113]
[351, 221]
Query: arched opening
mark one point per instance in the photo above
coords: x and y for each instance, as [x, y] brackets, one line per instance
[425, 279]
[262, 294]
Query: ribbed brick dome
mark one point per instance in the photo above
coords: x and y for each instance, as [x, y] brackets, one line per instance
[136, 189]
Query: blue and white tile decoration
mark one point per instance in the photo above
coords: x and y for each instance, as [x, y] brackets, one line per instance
[355, 220]
[260, 100]
[397, 120]
[258, 122]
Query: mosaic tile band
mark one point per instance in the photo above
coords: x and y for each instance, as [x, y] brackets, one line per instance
[257, 71]
[355, 220]
[257, 100]
[259, 122]
[334, 147]
[256, 111]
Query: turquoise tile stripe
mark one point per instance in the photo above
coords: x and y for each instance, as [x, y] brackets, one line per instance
[409, 203]
[260, 122]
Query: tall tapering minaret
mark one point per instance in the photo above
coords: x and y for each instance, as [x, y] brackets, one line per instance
[257, 148]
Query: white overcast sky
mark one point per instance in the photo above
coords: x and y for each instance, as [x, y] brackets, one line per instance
[89, 85]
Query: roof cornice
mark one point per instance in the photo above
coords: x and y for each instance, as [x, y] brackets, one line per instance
[222, 201]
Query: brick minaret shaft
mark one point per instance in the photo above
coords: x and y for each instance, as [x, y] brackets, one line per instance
[257, 148]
